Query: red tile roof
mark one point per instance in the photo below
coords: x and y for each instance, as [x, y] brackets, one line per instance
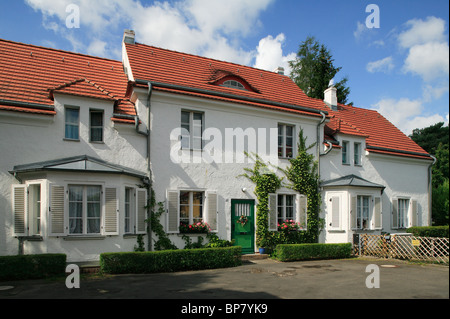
[381, 135]
[30, 75]
[189, 74]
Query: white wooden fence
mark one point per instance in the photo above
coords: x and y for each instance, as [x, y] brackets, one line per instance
[403, 246]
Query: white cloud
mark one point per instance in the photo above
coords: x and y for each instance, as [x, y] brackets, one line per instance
[421, 32]
[360, 28]
[269, 54]
[382, 65]
[428, 49]
[429, 60]
[212, 28]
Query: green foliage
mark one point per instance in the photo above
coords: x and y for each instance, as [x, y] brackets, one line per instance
[32, 266]
[303, 178]
[266, 182]
[170, 260]
[440, 204]
[429, 231]
[216, 242]
[140, 243]
[313, 251]
[313, 69]
[163, 242]
[190, 245]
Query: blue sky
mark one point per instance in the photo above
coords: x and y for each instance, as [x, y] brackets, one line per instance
[400, 69]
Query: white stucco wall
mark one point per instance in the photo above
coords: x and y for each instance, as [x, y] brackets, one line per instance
[30, 138]
[220, 177]
[402, 177]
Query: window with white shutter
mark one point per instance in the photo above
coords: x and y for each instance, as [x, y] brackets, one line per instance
[302, 211]
[141, 210]
[211, 215]
[57, 215]
[173, 213]
[335, 213]
[377, 213]
[111, 222]
[273, 212]
[395, 213]
[20, 210]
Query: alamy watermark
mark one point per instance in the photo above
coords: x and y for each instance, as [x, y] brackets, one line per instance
[373, 19]
[73, 279]
[73, 16]
[373, 280]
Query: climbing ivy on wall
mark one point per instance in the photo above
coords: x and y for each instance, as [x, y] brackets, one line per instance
[302, 177]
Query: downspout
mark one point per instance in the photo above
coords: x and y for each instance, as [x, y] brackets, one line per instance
[147, 134]
[318, 166]
[430, 190]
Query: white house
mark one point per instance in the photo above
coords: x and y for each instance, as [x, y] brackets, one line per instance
[84, 138]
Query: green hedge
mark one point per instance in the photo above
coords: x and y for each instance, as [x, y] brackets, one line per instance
[429, 231]
[32, 266]
[293, 252]
[170, 260]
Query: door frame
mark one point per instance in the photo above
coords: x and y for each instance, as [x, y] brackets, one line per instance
[252, 218]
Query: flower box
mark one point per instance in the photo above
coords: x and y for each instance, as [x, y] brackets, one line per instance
[196, 228]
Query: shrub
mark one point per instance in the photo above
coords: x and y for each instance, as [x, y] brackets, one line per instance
[429, 231]
[32, 266]
[170, 260]
[294, 252]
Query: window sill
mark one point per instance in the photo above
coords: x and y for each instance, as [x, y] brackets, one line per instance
[84, 237]
[70, 140]
[125, 236]
[31, 238]
[336, 230]
[97, 142]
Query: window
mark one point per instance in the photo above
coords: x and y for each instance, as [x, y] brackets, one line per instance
[191, 130]
[234, 84]
[191, 207]
[357, 153]
[403, 212]
[34, 200]
[345, 152]
[129, 209]
[84, 209]
[285, 140]
[363, 212]
[72, 123]
[96, 126]
[285, 206]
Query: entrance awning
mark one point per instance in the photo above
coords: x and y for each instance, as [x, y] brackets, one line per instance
[83, 163]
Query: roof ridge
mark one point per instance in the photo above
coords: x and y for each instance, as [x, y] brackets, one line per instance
[59, 50]
[207, 58]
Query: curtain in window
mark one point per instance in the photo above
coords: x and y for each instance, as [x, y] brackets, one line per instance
[76, 209]
[93, 209]
[72, 131]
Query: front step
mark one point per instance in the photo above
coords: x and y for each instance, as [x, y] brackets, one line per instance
[255, 256]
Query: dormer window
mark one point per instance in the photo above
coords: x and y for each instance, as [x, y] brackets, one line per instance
[234, 85]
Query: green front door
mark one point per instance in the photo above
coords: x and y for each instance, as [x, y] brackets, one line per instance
[243, 224]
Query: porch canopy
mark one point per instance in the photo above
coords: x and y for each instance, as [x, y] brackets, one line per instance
[82, 163]
[351, 180]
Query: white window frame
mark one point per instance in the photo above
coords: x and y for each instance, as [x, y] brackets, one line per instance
[234, 85]
[284, 137]
[191, 205]
[284, 206]
[130, 209]
[35, 204]
[189, 133]
[359, 212]
[357, 158]
[84, 216]
[403, 212]
[345, 152]
[102, 112]
[73, 108]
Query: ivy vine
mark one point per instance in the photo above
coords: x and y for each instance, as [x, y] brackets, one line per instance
[302, 177]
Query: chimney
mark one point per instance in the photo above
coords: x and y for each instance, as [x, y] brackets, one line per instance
[330, 96]
[128, 36]
[279, 70]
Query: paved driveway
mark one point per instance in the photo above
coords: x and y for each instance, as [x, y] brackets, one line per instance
[260, 279]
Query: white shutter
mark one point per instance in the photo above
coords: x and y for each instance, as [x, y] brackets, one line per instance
[211, 210]
[336, 212]
[273, 212]
[57, 215]
[302, 211]
[377, 207]
[414, 216]
[111, 221]
[20, 210]
[173, 214]
[395, 213]
[353, 212]
[141, 210]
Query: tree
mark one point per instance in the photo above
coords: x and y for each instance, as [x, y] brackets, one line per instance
[430, 137]
[313, 69]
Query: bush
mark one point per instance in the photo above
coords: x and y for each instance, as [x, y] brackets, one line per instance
[32, 266]
[170, 260]
[295, 252]
[429, 231]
